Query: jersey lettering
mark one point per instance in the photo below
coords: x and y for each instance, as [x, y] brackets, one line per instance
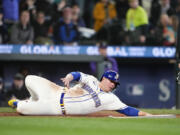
[93, 95]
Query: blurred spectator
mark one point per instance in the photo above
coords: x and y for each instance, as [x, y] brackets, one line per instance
[146, 4]
[18, 89]
[11, 10]
[65, 32]
[155, 12]
[166, 7]
[87, 12]
[109, 62]
[168, 31]
[76, 18]
[159, 7]
[178, 9]
[22, 32]
[175, 22]
[45, 6]
[3, 30]
[122, 7]
[58, 7]
[30, 6]
[34, 6]
[80, 4]
[103, 13]
[2, 92]
[178, 31]
[164, 33]
[41, 28]
[136, 24]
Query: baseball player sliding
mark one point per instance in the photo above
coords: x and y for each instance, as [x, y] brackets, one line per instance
[87, 96]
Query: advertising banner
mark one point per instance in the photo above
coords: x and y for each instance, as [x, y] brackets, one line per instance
[122, 51]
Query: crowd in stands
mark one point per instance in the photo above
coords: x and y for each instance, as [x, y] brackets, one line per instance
[118, 22]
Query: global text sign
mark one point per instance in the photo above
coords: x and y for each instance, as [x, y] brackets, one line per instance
[114, 51]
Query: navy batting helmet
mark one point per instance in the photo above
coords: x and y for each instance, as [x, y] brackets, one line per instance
[111, 75]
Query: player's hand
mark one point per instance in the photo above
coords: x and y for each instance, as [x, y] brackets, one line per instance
[141, 113]
[67, 80]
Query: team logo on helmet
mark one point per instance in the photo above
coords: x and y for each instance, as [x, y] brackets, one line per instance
[117, 76]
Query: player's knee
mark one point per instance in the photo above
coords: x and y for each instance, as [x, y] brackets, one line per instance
[19, 110]
[29, 80]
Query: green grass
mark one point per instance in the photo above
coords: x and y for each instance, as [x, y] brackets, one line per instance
[6, 109]
[29, 125]
[162, 111]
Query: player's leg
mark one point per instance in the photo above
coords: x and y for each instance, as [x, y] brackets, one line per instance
[39, 107]
[47, 93]
[34, 96]
[40, 87]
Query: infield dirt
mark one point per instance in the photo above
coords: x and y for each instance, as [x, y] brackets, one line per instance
[97, 114]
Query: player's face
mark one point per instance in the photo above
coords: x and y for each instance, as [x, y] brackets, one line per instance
[108, 85]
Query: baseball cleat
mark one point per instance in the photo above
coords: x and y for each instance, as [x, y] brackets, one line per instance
[13, 103]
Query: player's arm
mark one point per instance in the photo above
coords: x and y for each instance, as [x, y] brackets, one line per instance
[73, 76]
[77, 76]
[130, 111]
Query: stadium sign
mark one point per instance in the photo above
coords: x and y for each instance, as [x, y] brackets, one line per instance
[114, 51]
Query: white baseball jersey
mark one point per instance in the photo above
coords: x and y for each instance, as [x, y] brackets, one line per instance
[93, 99]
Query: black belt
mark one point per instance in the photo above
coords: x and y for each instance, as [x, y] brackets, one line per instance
[62, 103]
